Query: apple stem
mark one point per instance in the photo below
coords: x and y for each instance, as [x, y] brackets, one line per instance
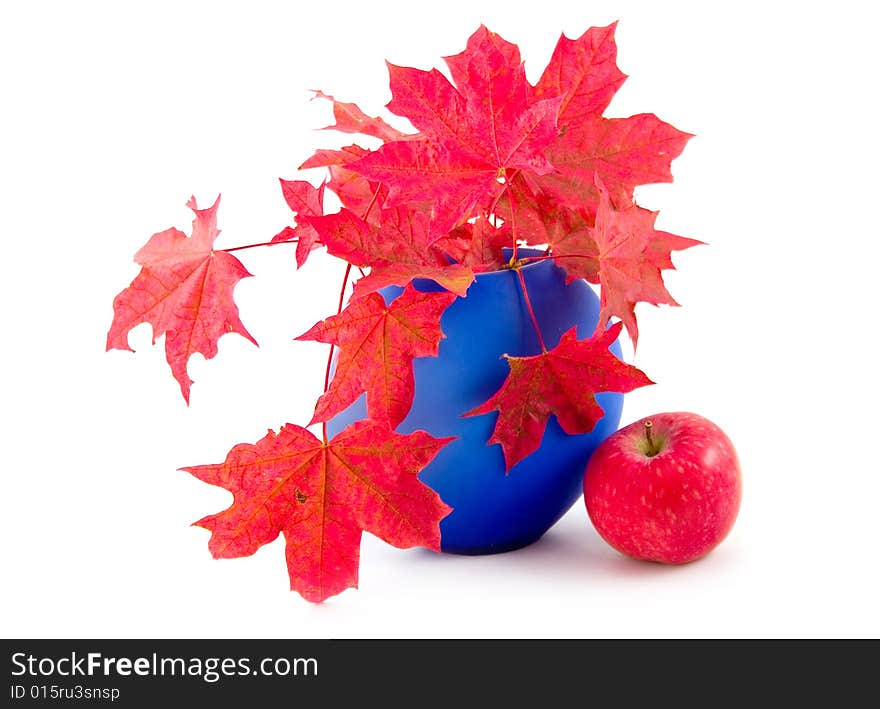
[654, 446]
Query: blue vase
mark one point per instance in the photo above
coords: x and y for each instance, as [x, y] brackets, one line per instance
[495, 510]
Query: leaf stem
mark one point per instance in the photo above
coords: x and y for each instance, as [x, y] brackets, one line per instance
[506, 188]
[516, 266]
[528, 301]
[552, 257]
[262, 243]
[513, 231]
[348, 267]
[333, 347]
[295, 240]
[372, 202]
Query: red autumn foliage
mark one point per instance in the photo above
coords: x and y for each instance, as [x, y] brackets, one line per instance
[495, 162]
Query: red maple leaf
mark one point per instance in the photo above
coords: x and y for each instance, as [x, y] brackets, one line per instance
[184, 290]
[322, 496]
[396, 252]
[377, 344]
[562, 382]
[304, 199]
[471, 137]
[630, 254]
[584, 72]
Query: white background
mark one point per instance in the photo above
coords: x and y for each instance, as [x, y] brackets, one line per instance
[113, 114]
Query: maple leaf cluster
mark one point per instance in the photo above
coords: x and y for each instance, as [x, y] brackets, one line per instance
[494, 162]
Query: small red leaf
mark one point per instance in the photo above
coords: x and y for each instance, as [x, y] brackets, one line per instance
[561, 382]
[321, 496]
[184, 290]
[288, 233]
[305, 200]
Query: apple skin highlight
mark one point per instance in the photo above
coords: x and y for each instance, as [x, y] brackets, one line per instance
[666, 488]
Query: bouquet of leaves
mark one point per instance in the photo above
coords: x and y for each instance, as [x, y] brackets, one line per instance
[490, 164]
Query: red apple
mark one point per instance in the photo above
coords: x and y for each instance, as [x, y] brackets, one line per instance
[666, 488]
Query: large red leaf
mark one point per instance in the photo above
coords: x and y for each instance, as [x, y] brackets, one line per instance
[561, 382]
[471, 137]
[185, 291]
[377, 344]
[630, 254]
[321, 496]
[396, 252]
[584, 72]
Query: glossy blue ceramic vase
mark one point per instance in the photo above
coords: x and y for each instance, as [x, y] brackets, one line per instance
[495, 510]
